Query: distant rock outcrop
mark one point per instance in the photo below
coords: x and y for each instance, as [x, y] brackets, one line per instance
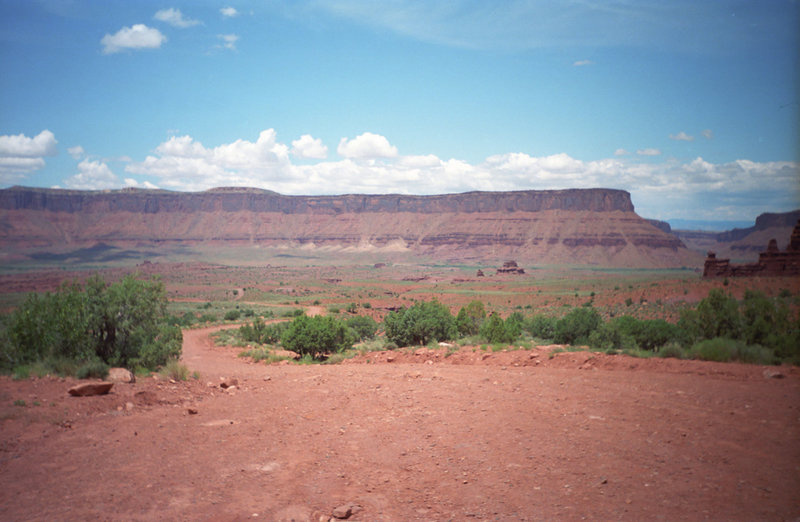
[511, 267]
[771, 262]
[576, 226]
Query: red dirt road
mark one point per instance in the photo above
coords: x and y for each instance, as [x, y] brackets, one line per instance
[461, 438]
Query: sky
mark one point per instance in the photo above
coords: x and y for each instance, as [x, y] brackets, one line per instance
[690, 105]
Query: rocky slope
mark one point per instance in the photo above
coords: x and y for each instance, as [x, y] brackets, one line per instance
[579, 226]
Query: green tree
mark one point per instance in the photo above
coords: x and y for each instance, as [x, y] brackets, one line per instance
[421, 323]
[470, 318]
[494, 330]
[123, 324]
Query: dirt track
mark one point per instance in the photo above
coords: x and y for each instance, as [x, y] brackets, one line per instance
[464, 437]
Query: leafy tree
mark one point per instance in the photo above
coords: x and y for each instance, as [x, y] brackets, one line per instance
[421, 323]
[365, 327]
[513, 325]
[123, 324]
[317, 335]
[470, 318]
[577, 325]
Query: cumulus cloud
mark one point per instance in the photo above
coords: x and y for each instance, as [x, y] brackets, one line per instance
[309, 147]
[621, 152]
[648, 152]
[130, 182]
[366, 146]
[21, 155]
[175, 18]
[708, 134]
[681, 136]
[581, 63]
[138, 36]
[229, 12]
[92, 175]
[228, 41]
[370, 164]
[185, 164]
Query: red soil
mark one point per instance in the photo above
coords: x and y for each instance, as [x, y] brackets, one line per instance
[476, 435]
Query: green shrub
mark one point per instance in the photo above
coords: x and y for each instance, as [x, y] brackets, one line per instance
[232, 315]
[541, 326]
[672, 349]
[470, 318]
[207, 318]
[318, 335]
[96, 369]
[363, 326]
[174, 370]
[423, 322]
[122, 324]
[261, 333]
[576, 326]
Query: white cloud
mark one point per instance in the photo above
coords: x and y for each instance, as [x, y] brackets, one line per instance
[229, 12]
[21, 155]
[581, 63]
[130, 182]
[185, 164]
[228, 41]
[309, 147]
[648, 152]
[366, 146]
[708, 134]
[175, 18]
[76, 152]
[681, 136]
[92, 175]
[371, 165]
[138, 36]
[43, 144]
[621, 152]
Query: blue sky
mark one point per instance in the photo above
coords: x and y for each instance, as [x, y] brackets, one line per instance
[692, 106]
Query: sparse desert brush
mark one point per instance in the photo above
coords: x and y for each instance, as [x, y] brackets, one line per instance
[175, 370]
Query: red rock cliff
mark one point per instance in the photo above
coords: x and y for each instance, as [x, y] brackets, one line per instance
[578, 226]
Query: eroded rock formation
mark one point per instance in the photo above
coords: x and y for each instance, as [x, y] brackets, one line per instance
[577, 226]
[771, 262]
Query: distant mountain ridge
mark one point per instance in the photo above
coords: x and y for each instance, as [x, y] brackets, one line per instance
[743, 243]
[575, 226]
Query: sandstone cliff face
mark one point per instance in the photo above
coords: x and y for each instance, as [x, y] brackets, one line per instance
[592, 226]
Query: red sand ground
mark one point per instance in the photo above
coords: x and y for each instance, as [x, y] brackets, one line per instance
[471, 436]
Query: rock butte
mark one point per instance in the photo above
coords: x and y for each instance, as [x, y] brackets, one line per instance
[575, 226]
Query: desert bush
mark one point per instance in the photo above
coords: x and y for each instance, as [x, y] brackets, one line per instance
[92, 369]
[540, 326]
[612, 336]
[232, 315]
[318, 335]
[470, 318]
[261, 333]
[672, 349]
[122, 324]
[576, 326]
[174, 370]
[423, 322]
[364, 327]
